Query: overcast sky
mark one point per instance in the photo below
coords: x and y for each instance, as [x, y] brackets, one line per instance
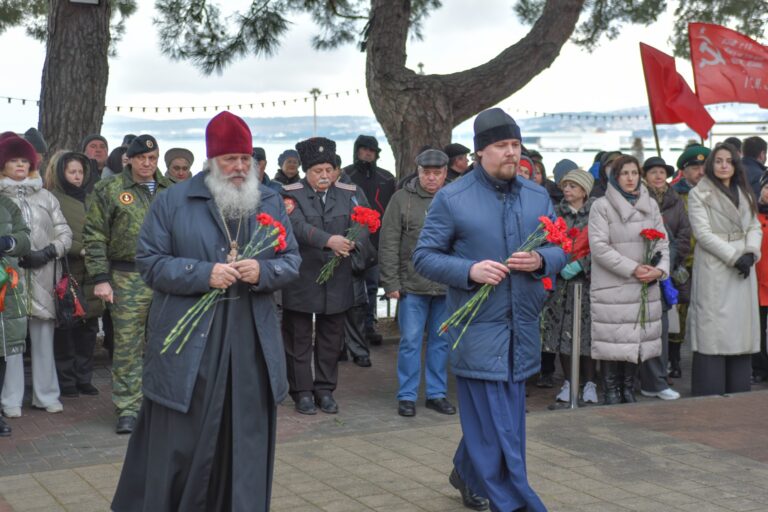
[460, 35]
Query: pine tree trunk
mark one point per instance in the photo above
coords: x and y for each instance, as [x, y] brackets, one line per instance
[415, 110]
[75, 73]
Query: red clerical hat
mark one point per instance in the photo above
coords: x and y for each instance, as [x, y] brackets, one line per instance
[227, 134]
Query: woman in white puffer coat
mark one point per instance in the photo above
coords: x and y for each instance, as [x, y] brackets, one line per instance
[50, 237]
[618, 274]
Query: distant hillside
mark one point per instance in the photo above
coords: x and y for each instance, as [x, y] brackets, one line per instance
[278, 129]
[274, 129]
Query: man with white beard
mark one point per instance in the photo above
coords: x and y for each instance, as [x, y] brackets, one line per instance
[205, 435]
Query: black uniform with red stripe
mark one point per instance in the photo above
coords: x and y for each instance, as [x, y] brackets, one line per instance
[314, 222]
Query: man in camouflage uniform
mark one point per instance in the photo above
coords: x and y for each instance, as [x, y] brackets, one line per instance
[691, 170]
[116, 211]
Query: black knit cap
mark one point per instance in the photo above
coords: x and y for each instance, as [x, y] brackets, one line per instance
[89, 138]
[317, 150]
[128, 139]
[493, 125]
[259, 154]
[34, 137]
[140, 145]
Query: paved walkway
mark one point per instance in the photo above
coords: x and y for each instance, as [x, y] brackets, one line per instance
[698, 455]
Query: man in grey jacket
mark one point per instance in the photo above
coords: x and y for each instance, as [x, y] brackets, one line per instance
[422, 302]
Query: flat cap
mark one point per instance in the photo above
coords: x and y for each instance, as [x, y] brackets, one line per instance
[455, 149]
[432, 158]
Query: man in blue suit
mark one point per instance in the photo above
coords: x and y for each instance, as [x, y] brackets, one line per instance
[472, 228]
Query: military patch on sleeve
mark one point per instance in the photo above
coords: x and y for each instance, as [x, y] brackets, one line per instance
[294, 186]
[346, 186]
[290, 204]
[126, 198]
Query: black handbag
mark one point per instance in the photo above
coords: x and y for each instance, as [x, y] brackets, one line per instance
[71, 306]
[364, 256]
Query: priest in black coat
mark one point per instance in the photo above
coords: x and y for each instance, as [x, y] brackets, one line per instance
[205, 435]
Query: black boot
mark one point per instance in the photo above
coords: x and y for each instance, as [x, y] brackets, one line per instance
[674, 361]
[628, 391]
[611, 382]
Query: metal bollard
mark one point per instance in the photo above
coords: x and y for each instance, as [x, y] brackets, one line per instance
[576, 345]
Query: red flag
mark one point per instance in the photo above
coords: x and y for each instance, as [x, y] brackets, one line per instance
[728, 66]
[670, 98]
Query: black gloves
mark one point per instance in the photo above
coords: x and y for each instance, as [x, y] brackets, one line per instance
[37, 259]
[6, 243]
[743, 264]
[655, 259]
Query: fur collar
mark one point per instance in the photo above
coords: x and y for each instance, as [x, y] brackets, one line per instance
[32, 183]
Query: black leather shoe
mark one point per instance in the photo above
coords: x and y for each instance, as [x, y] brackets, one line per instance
[70, 392]
[406, 408]
[363, 361]
[470, 499]
[327, 404]
[5, 430]
[440, 405]
[125, 424]
[306, 405]
[88, 389]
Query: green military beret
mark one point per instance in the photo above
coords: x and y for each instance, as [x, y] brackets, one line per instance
[693, 155]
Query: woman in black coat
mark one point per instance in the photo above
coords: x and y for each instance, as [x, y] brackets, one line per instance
[653, 372]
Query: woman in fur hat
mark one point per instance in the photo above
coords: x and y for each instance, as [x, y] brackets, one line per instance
[50, 238]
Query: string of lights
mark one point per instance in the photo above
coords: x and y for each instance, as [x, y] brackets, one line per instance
[277, 103]
[239, 105]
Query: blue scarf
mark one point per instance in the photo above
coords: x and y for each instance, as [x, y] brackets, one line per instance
[629, 196]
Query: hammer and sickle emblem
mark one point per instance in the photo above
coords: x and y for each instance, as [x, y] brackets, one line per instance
[707, 47]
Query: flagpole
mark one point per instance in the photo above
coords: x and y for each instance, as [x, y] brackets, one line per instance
[650, 107]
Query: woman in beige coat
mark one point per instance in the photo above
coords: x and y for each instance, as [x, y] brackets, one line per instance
[50, 238]
[618, 273]
[723, 317]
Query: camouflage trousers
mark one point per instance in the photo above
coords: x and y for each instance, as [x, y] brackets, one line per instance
[129, 319]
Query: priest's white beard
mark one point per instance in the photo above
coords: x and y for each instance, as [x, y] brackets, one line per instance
[233, 201]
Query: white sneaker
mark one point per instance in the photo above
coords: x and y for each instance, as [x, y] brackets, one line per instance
[589, 394]
[12, 412]
[53, 408]
[667, 394]
[565, 392]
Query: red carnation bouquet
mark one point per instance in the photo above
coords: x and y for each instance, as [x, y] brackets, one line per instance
[580, 239]
[650, 257]
[362, 218]
[548, 231]
[273, 236]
